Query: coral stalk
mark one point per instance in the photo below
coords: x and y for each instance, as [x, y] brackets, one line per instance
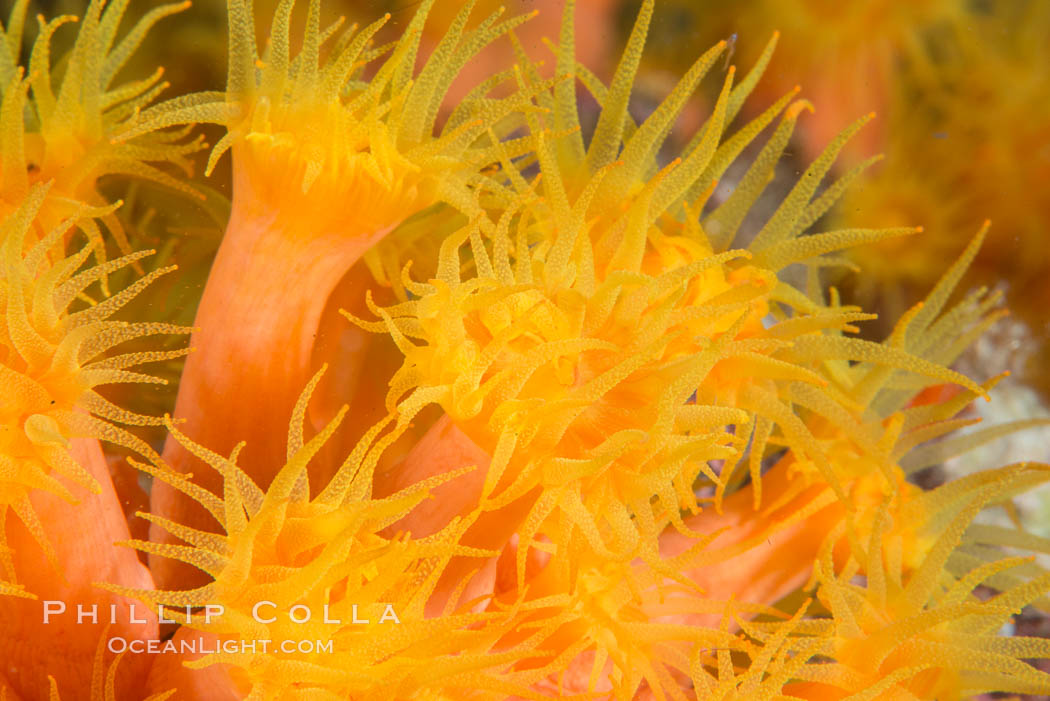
[83, 538]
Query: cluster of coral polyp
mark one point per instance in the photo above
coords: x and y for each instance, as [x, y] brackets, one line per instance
[475, 406]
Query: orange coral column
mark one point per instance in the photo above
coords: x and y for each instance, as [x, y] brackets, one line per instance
[83, 537]
[759, 556]
[257, 323]
[443, 449]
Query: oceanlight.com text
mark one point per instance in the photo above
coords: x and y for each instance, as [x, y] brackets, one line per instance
[203, 646]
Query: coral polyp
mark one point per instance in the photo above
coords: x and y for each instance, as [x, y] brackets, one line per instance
[58, 121]
[324, 568]
[56, 350]
[506, 384]
[306, 132]
[918, 632]
[53, 359]
[314, 121]
[605, 351]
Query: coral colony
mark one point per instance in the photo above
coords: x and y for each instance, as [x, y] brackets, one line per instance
[477, 403]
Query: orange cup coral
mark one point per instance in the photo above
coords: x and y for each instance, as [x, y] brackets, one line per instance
[624, 452]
